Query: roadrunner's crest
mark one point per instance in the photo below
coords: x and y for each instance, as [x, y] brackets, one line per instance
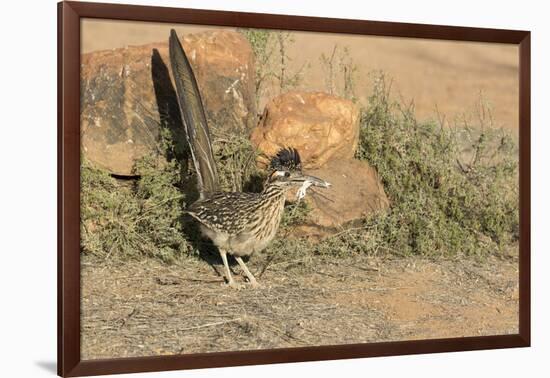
[286, 159]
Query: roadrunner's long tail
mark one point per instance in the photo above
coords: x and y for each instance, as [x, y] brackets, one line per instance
[194, 119]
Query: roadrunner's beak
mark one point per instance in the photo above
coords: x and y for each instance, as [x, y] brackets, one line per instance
[306, 182]
[300, 178]
[315, 181]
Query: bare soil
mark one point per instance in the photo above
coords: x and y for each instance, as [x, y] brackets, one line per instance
[145, 308]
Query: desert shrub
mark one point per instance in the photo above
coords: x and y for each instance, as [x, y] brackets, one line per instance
[295, 213]
[263, 48]
[340, 72]
[272, 60]
[236, 163]
[121, 220]
[440, 204]
[145, 217]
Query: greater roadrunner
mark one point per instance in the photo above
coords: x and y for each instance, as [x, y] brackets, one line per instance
[237, 223]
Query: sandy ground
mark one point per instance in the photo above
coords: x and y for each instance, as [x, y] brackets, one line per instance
[444, 75]
[146, 308]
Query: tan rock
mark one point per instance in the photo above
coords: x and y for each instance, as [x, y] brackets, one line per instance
[320, 126]
[356, 191]
[128, 96]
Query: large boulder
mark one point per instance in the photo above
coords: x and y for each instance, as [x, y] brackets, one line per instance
[223, 62]
[355, 191]
[320, 126]
[325, 130]
[128, 96]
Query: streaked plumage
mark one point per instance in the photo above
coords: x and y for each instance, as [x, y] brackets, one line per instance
[237, 222]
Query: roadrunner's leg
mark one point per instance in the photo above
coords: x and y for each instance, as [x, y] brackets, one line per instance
[251, 278]
[230, 281]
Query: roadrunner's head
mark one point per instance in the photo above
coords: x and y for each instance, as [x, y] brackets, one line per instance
[286, 170]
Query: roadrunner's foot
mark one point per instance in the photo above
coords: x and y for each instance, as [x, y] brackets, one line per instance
[234, 285]
[254, 284]
[251, 278]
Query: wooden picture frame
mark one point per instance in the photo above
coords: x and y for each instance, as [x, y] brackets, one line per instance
[69, 15]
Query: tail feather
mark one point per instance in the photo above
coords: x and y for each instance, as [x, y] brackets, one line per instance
[194, 119]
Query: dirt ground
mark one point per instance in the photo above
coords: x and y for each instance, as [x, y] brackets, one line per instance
[147, 308]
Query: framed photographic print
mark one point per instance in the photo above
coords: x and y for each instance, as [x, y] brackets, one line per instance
[239, 188]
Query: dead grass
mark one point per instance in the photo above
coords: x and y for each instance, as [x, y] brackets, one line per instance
[144, 308]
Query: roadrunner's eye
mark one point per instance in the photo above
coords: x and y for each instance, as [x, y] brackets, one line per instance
[287, 174]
